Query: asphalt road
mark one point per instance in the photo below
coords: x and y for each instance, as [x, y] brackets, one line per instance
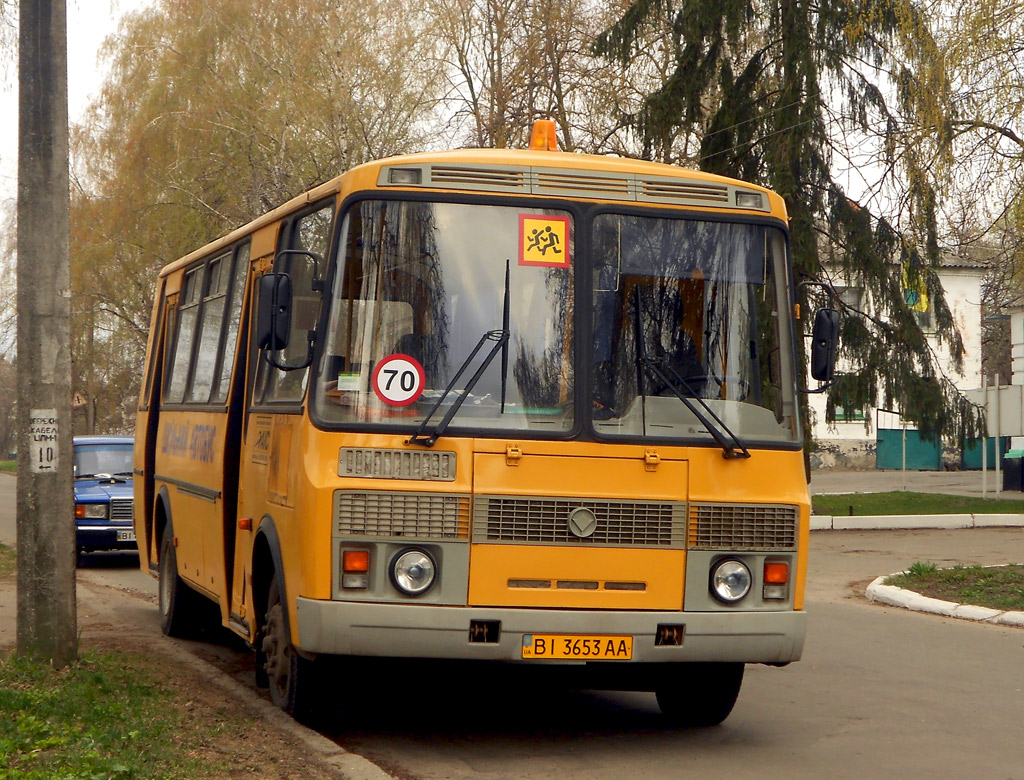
[880, 693]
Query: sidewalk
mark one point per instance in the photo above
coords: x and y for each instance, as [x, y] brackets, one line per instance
[960, 483]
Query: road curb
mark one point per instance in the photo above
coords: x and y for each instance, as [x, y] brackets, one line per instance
[908, 599]
[895, 522]
[350, 766]
[332, 757]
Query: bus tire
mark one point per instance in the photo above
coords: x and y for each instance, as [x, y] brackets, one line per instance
[702, 694]
[292, 679]
[178, 607]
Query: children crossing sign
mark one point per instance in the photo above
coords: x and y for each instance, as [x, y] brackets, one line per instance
[543, 240]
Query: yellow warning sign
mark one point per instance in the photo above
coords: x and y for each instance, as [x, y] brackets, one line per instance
[543, 240]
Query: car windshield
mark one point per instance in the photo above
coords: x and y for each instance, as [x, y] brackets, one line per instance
[690, 308]
[110, 459]
[421, 286]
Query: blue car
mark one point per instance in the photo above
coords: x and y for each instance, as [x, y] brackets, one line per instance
[104, 515]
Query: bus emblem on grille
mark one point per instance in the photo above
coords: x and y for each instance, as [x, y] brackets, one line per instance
[582, 522]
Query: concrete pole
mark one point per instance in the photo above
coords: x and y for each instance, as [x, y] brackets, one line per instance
[47, 617]
[903, 423]
[999, 436]
[984, 437]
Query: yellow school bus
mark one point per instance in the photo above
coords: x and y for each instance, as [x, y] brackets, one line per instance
[522, 407]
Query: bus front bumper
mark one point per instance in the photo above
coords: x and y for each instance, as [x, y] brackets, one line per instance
[420, 631]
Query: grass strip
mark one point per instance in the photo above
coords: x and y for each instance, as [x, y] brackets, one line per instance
[907, 503]
[9, 465]
[109, 715]
[996, 587]
[8, 562]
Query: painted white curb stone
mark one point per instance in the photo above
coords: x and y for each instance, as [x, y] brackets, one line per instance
[908, 599]
[890, 522]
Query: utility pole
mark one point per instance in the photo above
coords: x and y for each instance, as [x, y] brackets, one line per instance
[47, 616]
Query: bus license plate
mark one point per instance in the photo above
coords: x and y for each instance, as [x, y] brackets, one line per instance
[126, 536]
[577, 647]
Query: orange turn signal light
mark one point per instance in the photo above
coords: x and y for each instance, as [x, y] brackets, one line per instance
[543, 138]
[355, 561]
[776, 573]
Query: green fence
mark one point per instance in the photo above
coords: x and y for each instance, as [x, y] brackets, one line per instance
[921, 455]
[971, 458]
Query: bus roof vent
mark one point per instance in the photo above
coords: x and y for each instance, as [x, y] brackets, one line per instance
[588, 184]
[478, 177]
[684, 190]
[487, 178]
[700, 193]
[694, 193]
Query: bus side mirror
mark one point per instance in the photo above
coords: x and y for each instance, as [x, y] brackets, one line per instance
[274, 318]
[824, 344]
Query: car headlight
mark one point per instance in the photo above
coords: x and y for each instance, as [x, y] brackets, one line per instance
[91, 511]
[413, 571]
[730, 580]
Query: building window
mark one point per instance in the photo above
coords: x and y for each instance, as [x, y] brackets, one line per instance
[844, 414]
[851, 297]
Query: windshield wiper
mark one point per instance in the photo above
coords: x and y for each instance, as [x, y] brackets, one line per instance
[105, 475]
[664, 373]
[501, 339]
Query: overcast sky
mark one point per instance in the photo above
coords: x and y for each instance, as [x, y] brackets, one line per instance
[89, 23]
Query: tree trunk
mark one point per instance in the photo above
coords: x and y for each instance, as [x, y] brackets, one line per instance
[47, 619]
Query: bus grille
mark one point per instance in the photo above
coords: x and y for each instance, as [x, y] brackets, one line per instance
[121, 509]
[742, 527]
[405, 515]
[524, 520]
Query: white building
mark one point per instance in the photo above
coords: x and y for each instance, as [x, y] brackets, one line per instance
[851, 441]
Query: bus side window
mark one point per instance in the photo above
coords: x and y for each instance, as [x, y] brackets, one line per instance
[237, 294]
[201, 338]
[211, 326]
[309, 232]
[188, 313]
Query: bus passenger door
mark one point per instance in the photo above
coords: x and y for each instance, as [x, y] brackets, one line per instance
[273, 411]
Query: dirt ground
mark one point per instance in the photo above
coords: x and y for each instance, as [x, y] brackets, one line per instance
[256, 743]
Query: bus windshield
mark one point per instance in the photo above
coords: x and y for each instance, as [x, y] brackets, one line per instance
[419, 285]
[685, 308]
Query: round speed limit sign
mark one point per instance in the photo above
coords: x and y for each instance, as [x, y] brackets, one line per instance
[398, 380]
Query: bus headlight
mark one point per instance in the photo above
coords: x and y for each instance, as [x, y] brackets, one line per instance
[413, 571]
[730, 580]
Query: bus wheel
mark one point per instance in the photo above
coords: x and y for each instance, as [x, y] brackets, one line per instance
[177, 600]
[701, 694]
[291, 677]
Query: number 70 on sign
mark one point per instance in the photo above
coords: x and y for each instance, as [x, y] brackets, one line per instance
[398, 380]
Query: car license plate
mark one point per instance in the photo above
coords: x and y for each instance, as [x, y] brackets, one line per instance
[126, 536]
[577, 647]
